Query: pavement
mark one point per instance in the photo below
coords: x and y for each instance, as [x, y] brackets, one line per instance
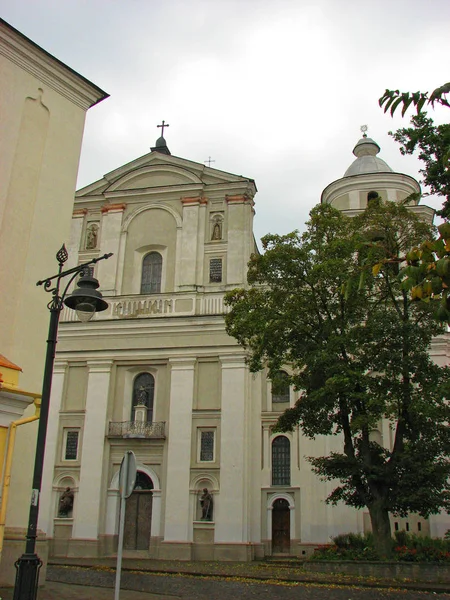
[144, 579]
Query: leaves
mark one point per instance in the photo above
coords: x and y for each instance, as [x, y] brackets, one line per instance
[392, 99]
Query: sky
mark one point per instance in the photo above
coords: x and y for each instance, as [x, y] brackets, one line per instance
[273, 90]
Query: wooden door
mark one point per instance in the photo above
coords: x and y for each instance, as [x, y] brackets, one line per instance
[138, 519]
[281, 525]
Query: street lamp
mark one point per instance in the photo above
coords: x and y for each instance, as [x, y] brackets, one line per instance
[85, 301]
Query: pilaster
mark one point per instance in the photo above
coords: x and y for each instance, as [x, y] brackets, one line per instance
[177, 517]
[112, 216]
[90, 489]
[46, 508]
[240, 214]
[189, 236]
[231, 514]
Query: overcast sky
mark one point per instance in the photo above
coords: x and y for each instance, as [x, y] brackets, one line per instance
[272, 90]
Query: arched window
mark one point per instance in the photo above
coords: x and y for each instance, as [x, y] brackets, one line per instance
[281, 461]
[143, 394]
[151, 273]
[280, 387]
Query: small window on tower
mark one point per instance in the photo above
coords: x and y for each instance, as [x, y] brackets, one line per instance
[215, 270]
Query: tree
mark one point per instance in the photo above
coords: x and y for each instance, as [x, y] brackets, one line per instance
[358, 351]
[430, 140]
[428, 271]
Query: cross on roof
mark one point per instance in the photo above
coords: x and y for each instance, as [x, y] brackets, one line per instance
[162, 127]
[209, 161]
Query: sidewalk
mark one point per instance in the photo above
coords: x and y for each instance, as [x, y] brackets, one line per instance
[65, 591]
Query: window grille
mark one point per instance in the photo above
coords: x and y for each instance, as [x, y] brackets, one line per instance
[207, 446]
[71, 444]
[281, 461]
[151, 273]
[280, 387]
[215, 270]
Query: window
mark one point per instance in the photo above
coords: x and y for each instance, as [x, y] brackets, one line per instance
[281, 461]
[215, 270]
[143, 394]
[151, 273]
[71, 437]
[280, 387]
[206, 445]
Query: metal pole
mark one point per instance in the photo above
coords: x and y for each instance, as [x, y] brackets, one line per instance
[29, 564]
[121, 527]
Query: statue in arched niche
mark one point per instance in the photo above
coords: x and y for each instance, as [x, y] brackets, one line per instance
[206, 502]
[216, 231]
[66, 503]
[91, 236]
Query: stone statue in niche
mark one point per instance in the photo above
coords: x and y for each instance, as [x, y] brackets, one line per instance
[206, 502]
[217, 231]
[91, 236]
[142, 396]
[65, 503]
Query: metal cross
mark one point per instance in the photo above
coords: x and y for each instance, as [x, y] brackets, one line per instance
[162, 126]
[209, 161]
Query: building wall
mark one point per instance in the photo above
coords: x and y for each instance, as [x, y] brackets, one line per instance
[43, 104]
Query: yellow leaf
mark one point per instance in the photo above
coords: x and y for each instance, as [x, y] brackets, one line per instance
[376, 269]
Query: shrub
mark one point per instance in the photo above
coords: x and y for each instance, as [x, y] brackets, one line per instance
[407, 547]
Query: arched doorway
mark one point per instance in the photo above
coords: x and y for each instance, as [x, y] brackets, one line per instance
[281, 525]
[138, 514]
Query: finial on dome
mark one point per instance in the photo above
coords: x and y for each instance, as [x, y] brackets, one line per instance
[161, 145]
[363, 129]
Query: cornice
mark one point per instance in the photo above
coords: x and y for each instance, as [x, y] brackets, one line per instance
[33, 59]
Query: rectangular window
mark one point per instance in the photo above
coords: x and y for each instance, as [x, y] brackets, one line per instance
[215, 270]
[71, 437]
[207, 439]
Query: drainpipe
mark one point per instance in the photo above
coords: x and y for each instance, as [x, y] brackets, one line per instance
[8, 464]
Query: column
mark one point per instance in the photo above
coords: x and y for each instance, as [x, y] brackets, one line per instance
[46, 507]
[88, 501]
[110, 241]
[177, 517]
[188, 259]
[231, 514]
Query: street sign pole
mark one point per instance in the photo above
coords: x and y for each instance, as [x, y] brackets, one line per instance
[127, 480]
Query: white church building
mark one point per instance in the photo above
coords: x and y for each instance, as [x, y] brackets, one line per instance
[157, 374]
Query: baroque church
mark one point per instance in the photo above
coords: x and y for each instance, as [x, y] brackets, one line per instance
[157, 374]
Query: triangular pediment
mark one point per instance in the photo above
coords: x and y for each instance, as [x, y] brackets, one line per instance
[157, 170]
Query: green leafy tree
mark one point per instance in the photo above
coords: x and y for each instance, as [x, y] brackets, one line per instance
[358, 347]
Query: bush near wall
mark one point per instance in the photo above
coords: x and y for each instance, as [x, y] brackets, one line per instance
[406, 548]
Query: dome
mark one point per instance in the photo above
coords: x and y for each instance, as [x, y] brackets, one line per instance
[367, 161]
[160, 142]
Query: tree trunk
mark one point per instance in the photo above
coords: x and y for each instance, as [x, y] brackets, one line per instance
[381, 528]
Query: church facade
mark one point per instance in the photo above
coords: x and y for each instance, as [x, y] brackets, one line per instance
[157, 374]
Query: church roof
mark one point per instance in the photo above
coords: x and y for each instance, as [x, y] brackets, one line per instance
[367, 161]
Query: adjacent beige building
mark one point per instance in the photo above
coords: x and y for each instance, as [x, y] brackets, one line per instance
[156, 373]
[43, 105]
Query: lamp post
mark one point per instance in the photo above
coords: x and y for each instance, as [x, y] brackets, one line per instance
[85, 300]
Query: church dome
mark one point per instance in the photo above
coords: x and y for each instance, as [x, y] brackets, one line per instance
[367, 161]
[160, 142]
